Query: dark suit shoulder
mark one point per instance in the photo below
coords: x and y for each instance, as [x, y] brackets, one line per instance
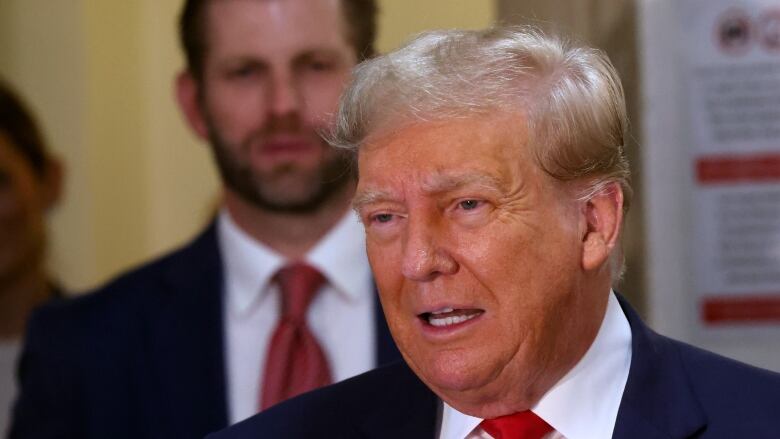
[723, 385]
[712, 396]
[113, 362]
[120, 298]
[344, 410]
[675, 390]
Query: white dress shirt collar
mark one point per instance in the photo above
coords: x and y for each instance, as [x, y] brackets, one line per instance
[250, 264]
[585, 402]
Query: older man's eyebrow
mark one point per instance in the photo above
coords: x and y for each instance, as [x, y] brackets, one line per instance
[367, 197]
[438, 183]
[450, 182]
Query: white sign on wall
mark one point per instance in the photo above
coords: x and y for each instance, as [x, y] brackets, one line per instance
[730, 61]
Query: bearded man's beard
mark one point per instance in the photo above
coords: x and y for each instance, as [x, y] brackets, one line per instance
[286, 188]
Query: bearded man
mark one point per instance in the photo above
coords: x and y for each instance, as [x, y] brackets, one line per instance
[276, 296]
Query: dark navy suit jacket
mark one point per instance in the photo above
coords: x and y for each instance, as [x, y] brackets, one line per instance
[141, 358]
[674, 391]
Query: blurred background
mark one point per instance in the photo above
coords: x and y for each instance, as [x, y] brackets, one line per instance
[99, 77]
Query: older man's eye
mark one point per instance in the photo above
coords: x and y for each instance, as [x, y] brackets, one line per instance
[469, 204]
[383, 217]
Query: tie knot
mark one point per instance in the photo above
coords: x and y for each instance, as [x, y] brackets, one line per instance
[298, 283]
[522, 425]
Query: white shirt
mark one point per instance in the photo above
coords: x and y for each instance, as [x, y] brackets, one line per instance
[341, 316]
[9, 351]
[585, 402]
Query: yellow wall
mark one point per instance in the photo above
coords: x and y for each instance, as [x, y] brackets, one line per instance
[99, 74]
[43, 53]
[115, 133]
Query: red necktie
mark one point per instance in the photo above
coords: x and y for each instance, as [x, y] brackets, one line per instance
[295, 362]
[522, 425]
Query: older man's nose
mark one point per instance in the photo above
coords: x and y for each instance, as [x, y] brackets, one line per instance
[425, 255]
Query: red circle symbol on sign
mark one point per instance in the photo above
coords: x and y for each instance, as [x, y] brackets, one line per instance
[733, 31]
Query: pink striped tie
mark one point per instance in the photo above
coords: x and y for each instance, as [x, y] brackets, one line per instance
[295, 362]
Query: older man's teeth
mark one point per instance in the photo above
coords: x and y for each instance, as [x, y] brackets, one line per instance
[450, 320]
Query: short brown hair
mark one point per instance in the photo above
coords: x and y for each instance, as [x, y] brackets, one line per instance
[360, 16]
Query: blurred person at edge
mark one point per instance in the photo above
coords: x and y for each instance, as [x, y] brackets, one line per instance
[181, 346]
[492, 185]
[30, 185]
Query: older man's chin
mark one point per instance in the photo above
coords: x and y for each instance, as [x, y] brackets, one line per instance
[474, 389]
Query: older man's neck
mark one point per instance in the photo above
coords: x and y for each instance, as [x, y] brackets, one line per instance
[289, 234]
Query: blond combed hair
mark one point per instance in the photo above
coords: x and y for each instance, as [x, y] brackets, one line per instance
[570, 98]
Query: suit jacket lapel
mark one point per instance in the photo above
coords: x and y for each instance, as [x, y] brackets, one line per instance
[658, 401]
[185, 339]
[408, 409]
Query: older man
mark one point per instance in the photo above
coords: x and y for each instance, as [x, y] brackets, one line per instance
[492, 189]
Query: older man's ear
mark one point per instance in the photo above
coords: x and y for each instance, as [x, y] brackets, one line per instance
[603, 216]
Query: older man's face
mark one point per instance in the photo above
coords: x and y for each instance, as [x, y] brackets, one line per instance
[478, 256]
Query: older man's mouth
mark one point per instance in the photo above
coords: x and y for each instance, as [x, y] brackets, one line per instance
[448, 317]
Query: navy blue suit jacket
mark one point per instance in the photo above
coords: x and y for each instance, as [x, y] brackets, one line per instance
[141, 358]
[674, 391]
